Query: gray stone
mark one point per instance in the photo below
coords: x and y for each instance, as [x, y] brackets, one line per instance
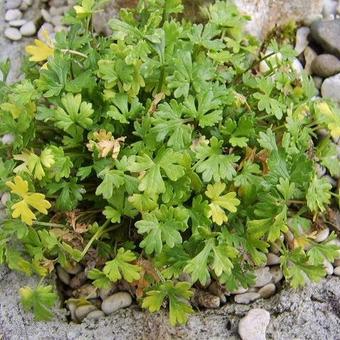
[328, 267]
[28, 2]
[327, 35]
[17, 23]
[247, 298]
[205, 299]
[5, 198]
[82, 311]
[45, 27]
[301, 41]
[253, 326]
[277, 274]
[267, 290]
[8, 139]
[78, 280]
[63, 275]
[116, 301]
[322, 235]
[12, 33]
[95, 315]
[331, 88]
[47, 17]
[272, 259]
[13, 14]
[337, 263]
[318, 82]
[325, 65]
[57, 20]
[12, 4]
[309, 55]
[263, 276]
[336, 271]
[28, 29]
[329, 8]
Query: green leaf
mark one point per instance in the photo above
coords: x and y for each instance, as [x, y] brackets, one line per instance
[318, 194]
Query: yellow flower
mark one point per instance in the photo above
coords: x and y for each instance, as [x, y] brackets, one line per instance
[41, 51]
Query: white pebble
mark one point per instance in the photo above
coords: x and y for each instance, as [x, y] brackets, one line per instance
[45, 27]
[57, 20]
[12, 4]
[301, 39]
[336, 271]
[12, 33]
[272, 259]
[95, 315]
[322, 235]
[13, 14]
[17, 23]
[267, 290]
[5, 198]
[328, 267]
[8, 138]
[82, 311]
[247, 298]
[63, 275]
[263, 276]
[116, 301]
[28, 2]
[28, 29]
[253, 326]
[47, 17]
[309, 55]
[239, 290]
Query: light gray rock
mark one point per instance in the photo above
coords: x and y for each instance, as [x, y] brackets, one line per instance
[116, 301]
[297, 66]
[263, 276]
[328, 267]
[12, 4]
[272, 259]
[87, 291]
[205, 299]
[47, 17]
[8, 139]
[327, 35]
[28, 2]
[5, 198]
[45, 27]
[253, 326]
[331, 88]
[247, 298]
[57, 20]
[82, 311]
[17, 23]
[301, 41]
[28, 29]
[309, 55]
[277, 274]
[267, 290]
[325, 65]
[318, 82]
[240, 290]
[12, 33]
[336, 271]
[13, 14]
[322, 235]
[329, 8]
[95, 315]
[63, 275]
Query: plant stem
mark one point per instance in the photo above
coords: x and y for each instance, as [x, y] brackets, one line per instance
[48, 224]
[64, 50]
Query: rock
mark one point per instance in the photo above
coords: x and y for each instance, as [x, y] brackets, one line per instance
[56, 11]
[336, 271]
[12, 33]
[301, 41]
[337, 263]
[5, 198]
[57, 3]
[318, 82]
[28, 2]
[331, 88]
[272, 259]
[205, 299]
[57, 20]
[12, 4]
[28, 29]
[329, 9]
[23, 7]
[216, 289]
[46, 27]
[297, 66]
[8, 139]
[73, 268]
[82, 311]
[253, 326]
[87, 291]
[13, 14]
[95, 315]
[277, 274]
[116, 301]
[325, 65]
[322, 235]
[263, 276]
[328, 267]
[17, 23]
[272, 61]
[72, 306]
[309, 55]
[47, 17]
[78, 280]
[246, 298]
[105, 292]
[63, 275]
[240, 290]
[267, 290]
[327, 35]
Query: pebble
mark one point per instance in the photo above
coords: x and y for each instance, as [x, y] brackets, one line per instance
[17, 23]
[73, 268]
[309, 55]
[328, 267]
[12, 4]
[240, 290]
[325, 65]
[326, 34]
[63, 275]
[13, 14]
[318, 82]
[12, 33]
[72, 308]
[105, 292]
[267, 290]
[28, 2]
[329, 8]
[277, 274]
[253, 326]
[46, 16]
[336, 271]
[337, 263]
[218, 290]
[95, 315]
[331, 88]
[5, 198]
[322, 235]
[57, 20]
[8, 139]
[82, 311]
[57, 3]
[297, 66]
[23, 7]
[301, 39]
[28, 29]
[45, 27]
[272, 259]
[263, 276]
[247, 298]
[116, 301]
[86, 291]
[206, 299]
[78, 280]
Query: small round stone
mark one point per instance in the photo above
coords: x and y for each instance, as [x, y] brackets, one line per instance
[331, 88]
[13, 14]
[95, 315]
[309, 55]
[57, 20]
[318, 82]
[73, 268]
[5, 198]
[267, 290]
[8, 139]
[277, 274]
[336, 271]
[239, 290]
[45, 27]
[328, 267]
[86, 291]
[28, 2]
[12, 33]
[28, 29]
[46, 16]
[116, 301]
[82, 311]
[263, 276]
[247, 298]
[78, 280]
[253, 326]
[301, 39]
[12, 4]
[63, 275]
[17, 23]
[297, 66]
[325, 65]
[322, 235]
[272, 259]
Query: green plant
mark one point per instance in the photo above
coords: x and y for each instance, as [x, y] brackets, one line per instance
[161, 150]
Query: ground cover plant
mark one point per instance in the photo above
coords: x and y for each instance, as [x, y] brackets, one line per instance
[161, 150]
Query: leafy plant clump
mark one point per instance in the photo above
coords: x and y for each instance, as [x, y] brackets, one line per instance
[161, 150]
